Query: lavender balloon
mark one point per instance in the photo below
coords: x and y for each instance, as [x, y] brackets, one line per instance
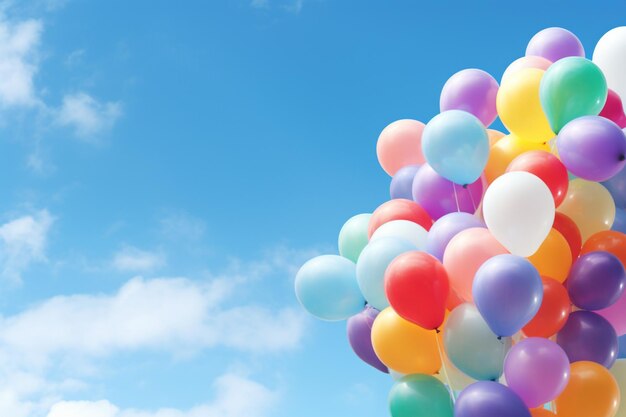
[489, 399]
[473, 91]
[439, 196]
[621, 341]
[360, 337]
[596, 280]
[587, 336]
[444, 229]
[554, 44]
[592, 148]
[402, 182]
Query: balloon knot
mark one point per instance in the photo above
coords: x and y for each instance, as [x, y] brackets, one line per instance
[438, 331]
[499, 337]
[464, 185]
[622, 157]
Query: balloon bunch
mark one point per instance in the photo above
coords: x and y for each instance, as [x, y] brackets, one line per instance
[491, 283]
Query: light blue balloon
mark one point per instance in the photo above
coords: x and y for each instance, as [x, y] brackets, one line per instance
[472, 346]
[617, 187]
[622, 347]
[326, 287]
[619, 224]
[371, 266]
[455, 143]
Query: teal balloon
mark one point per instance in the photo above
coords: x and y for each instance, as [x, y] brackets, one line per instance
[353, 236]
[572, 87]
[472, 346]
[456, 145]
[420, 396]
[326, 286]
[370, 269]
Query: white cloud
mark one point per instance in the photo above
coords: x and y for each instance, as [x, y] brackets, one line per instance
[131, 259]
[260, 4]
[88, 116]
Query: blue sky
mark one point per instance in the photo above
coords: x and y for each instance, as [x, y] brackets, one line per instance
[168, 166]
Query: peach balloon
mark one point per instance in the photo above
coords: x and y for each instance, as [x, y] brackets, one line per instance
[553, 259]
[494, 136]
[399, 145]
[526, 62]
[504, 151]
[465, 253]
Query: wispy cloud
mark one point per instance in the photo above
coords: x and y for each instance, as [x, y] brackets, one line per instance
[87, 116]
[131, 259]
[260, 4]
[291, 6]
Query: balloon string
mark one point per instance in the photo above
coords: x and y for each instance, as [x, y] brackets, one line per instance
[445, 370]
[456, 197]
[471, 197]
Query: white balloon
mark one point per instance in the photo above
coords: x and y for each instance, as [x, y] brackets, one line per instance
[619, 372]
[519, 211]
[403, 229]
[610, 56]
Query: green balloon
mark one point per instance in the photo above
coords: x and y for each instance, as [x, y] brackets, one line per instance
[353, 236]
[572, 87]
[420, 396]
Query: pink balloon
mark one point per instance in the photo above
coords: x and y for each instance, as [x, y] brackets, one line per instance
[465, 253]
[614, 109]
[526, 62]
[616, 314]
[399, 145]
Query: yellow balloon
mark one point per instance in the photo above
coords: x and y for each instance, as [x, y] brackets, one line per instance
[519, 106]
[619, 372]
[504, 151]
[590, 206]
[403, 346]
[553, 259]
[591, 392]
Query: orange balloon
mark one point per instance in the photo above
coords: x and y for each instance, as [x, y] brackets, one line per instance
[541, 412]
[591, 392]
[504, 151]
[609, 241]
[553, 258]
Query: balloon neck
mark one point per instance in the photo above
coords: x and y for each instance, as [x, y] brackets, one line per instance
[438, 331]
[622, 157]
[465, 186]
[499, 337]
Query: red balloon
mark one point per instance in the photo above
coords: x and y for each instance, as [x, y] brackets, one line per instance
[566, 226]
[613, 109]
[399, 209]
[417, 288]
[548, 168]
[553, 313]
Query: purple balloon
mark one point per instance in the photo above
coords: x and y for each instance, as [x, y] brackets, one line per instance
[537, 370]
[592, 147]
[444, 229]
[439, 196]
[587, 336]
[508, 291]
[473, 91]
[489, 399]
[360, 337]
[554, 44]
[596, 280]
[402, 182]
[619, 224]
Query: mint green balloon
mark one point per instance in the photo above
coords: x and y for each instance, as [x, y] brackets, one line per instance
[572, 87]
[353, 236]
[420, 396]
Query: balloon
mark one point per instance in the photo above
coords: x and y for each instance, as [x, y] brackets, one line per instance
[555, 43]
[537, 370]
[489, 399]
[610, 56]
[444, 229]
[438, 196]
[592, 148]
[617, 187]
[568, 229]
[506, 150]
[420, 396]
[608, 241]
[326, 287]
[613, 109]
[621, 341]
[619, 224]
[404, 346]
[541, 412]
[619, 373]
[553, 313]
[464, 254]
[547, 168]
[589, 205]
[616, 315]
[494, 136]
[360, 337]
[596, 280]
[399, 145]
[453, 376]
[456, 145]
[370, 269]
[417, 287]
[507, 291]
[353, 236]
[519, 106]
[402, 182]
[537, 62]
[554, 257]
[519, 210]
[591, 391]
[403, 229]
[571, 88]
[472, 346]
[398, 209]
[587, 336]
[473, 91]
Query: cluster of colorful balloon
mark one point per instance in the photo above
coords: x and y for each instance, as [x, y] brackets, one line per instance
[492, 283]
